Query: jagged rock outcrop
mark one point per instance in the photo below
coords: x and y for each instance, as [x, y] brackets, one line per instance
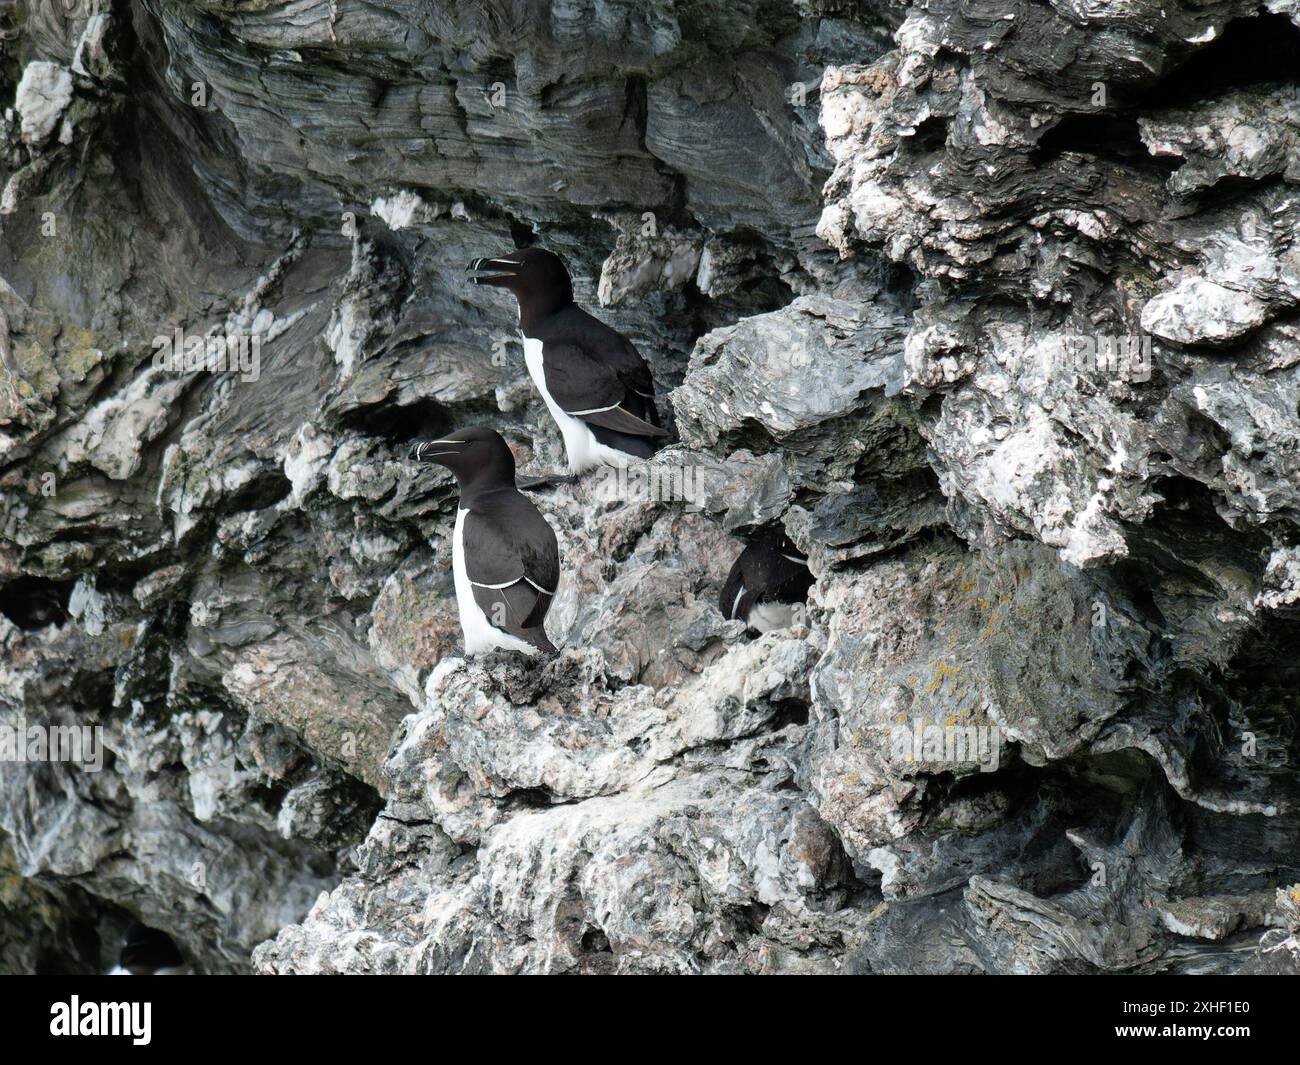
[993, 304]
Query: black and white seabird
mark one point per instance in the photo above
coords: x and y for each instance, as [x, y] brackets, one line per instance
[504, 555]
[594, 382]
[148, 952]
[768, 583]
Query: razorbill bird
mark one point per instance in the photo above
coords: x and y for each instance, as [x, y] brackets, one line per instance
[768, 583]
[504, 555]
[148, 952]
[594, 382]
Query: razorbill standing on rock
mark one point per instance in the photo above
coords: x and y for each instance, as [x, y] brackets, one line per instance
[768, 583]
[148, 952]
[594, 382]
[504, 555]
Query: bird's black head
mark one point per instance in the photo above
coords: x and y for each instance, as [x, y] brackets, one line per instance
[536, 276]
[478, 456]
[774, 537]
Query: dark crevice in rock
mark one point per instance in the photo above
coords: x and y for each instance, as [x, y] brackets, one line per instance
[594, 941]
[264, 490]
[423, 420]
[789, 712]
[34, 603]
[1248, 51]
[1111, 136]
[930, 137]
[530, 798]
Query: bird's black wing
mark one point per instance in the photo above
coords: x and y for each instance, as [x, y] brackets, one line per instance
[614, 349]
[591, 389]
[512, 560]
[793, 579]
[633, 371]
[731, 592]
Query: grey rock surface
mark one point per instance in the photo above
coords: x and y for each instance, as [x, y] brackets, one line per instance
[993, 304]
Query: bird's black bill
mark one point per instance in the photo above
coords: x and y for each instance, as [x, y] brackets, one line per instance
[432, 450]
[492, 271]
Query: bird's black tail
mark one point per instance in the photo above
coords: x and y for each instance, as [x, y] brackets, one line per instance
[641, 447]
[538, 638]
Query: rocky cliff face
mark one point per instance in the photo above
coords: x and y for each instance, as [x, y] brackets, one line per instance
[994, 304]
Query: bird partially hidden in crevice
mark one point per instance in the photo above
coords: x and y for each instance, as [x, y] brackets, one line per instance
[505, 558]
[593, 381]
[768, 585]
[148, 952]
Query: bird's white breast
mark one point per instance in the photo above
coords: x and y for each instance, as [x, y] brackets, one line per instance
[768, 616]
[580, 444]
